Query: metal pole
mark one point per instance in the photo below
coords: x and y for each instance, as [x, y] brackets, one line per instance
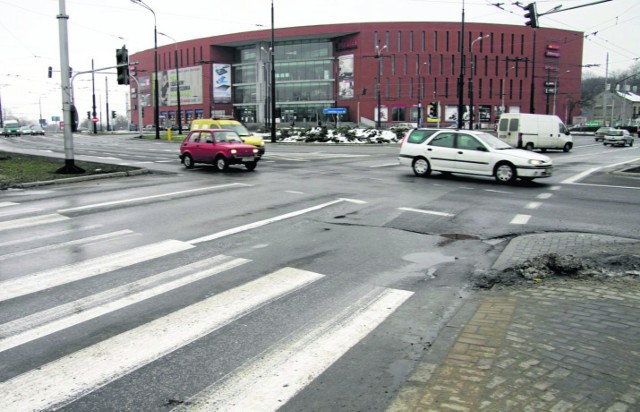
[69, 163]
[532, 108]
[461, 78]
[273, 78]
[106, 91]
[378, 124]
[93, 88]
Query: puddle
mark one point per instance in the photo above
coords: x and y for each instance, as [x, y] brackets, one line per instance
[426, 258]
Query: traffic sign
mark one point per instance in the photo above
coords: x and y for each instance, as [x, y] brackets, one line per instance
[335, 110]
[95, 120]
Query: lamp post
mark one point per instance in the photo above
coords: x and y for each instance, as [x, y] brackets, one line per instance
[273, 77]
[471, 109]
[420, 94]
[379, 57]
[179, 114]
[504, 79]
[156, 113]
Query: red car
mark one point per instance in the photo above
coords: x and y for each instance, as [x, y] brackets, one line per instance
[219, 147]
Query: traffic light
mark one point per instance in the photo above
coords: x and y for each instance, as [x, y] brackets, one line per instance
[89, 115]
[70, 72]
[74, 119]
[532, 15]
[113, 114]
[433, 110]
[122, 59]
[50, 72]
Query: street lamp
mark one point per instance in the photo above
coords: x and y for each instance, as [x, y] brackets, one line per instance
[504, 79]
[420, 94]
[379, 57]
[156, 113]
[175, 43]
[471, 109]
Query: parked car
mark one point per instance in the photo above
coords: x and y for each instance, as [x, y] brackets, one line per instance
[618, 138]
[601, 132]
[475, 153]
[219, 147]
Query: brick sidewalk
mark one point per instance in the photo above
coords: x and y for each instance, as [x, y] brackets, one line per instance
[565, 345]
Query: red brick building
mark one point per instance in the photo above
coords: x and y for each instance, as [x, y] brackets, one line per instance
[337, 65]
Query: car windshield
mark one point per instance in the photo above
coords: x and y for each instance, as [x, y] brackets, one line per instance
[238, 128]
[615, 133]
[493, 142]
[230, 137]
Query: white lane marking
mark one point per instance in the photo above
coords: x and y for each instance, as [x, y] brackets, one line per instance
[85, 240]
[141, 199]
[574, 179]
[544, 196]
[64, 316]
[48, 235]
[428, 212]
[71, 377]
[59, 276]
[555, 188]
[278, 375]
[497, 191]
[20, 211]
[265, 222]
[5, 204]
[294, 192]
[31, 221]
[386, 165]
[520, 219]
[533, 205]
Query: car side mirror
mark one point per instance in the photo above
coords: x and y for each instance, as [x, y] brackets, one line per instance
[481, 149]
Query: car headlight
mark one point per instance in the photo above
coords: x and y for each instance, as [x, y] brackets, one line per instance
[536, 162]
[234, 151]
[255, 150]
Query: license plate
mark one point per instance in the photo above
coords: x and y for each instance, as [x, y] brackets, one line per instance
[248, 159]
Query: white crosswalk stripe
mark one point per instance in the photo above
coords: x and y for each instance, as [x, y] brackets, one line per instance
[66, 379]
[36, 282]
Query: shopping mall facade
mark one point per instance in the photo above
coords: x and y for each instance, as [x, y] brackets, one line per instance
[395, 69]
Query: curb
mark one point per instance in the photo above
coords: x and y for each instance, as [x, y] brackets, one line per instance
[136, 172]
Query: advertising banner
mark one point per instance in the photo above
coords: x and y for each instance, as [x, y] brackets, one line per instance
[345, 76]
[144, 94]
[190, 86]
[221, 83]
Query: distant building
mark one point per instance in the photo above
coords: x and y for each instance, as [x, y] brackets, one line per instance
[336, 65]
[621, 108]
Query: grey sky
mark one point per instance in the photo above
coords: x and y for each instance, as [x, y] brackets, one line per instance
[30, 40]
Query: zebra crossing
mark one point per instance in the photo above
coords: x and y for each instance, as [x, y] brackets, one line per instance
[284, 368]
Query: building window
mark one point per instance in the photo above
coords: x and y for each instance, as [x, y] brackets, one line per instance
[481, 41]
[480, 88]
[435, 87]
[490, 88]
[446, 44]
[417, 64]
[491, 44]
[520, 90]
[399, 41]
[387, 89]
[386, 40]
[411, 87]
[424, 41]
[398, 114]
[453, 64]
[406, 65]
[411, 41]
[446, 87]
[511, 89]
[376, 41]
[513, 43]
[522, 44]
[435, 41]
[486, 65]
[501, 43]
[496, 65]
[429, 64]
[441, 64]
[399, 87]
[393, 64]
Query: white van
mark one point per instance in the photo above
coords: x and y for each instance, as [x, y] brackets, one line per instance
[534, 131]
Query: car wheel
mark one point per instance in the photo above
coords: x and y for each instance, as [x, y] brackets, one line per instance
[505, 173]
[251, 166]
[567, 146]
[604, 144]
[221, 163]
[630, 142]
[188, 161]
[529, 146]
[421, 167]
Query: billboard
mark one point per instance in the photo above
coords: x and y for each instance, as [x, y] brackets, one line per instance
[345, 76]
[190, 86]
[221, 82]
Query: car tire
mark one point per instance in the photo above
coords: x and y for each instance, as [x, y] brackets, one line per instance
[188, 161]
[221, 163]
[505, 173]
[529, 147]
[421, 167]
[567, 147]
[631, 143]
[251, 166]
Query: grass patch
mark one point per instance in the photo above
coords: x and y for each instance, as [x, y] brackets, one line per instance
[18, 168]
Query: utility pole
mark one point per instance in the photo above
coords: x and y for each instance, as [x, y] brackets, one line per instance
[273, 78]
[604, 94]
[93, 87]
[69, 163]
[461, 78]
[106, 91]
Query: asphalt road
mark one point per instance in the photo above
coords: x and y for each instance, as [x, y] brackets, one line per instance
[316, 282]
